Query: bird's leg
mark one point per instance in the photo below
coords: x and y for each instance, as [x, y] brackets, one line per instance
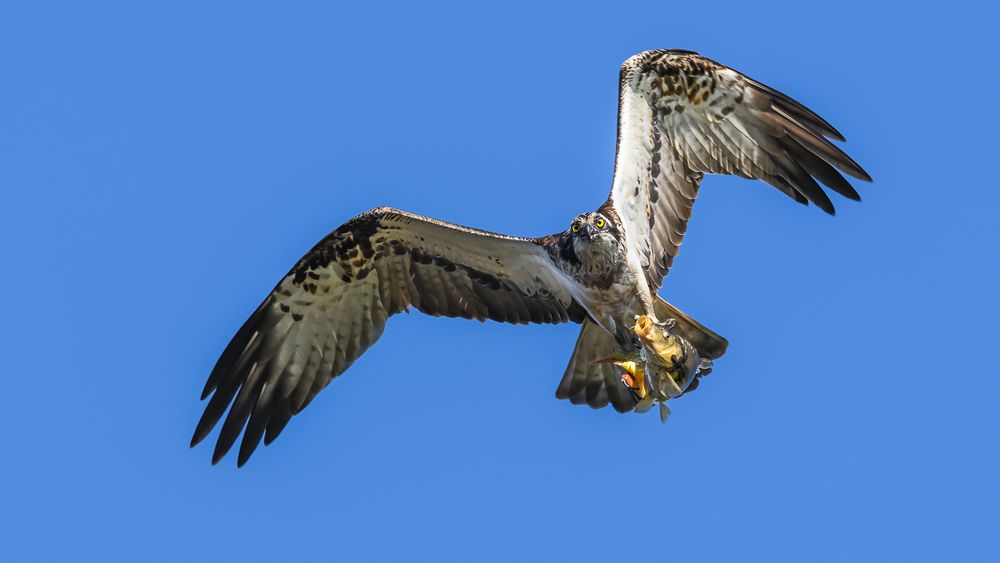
[666, 325]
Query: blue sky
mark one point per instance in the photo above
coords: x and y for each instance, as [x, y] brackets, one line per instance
[163, 165]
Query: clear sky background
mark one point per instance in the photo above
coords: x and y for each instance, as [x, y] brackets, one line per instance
[163, 165]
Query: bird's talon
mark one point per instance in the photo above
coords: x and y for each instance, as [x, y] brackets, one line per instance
[667, 325]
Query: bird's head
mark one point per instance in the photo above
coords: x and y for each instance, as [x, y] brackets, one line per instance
[594, 239]
[591, 227]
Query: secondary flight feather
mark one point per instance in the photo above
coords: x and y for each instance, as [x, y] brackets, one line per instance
[680, 116]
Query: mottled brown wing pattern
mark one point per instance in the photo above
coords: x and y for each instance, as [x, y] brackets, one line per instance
[335, 302]
[681, 116]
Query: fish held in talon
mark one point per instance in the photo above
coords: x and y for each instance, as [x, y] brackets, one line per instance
[664, 367]
[671, 361]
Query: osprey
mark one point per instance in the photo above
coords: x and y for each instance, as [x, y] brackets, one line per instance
[680, 116]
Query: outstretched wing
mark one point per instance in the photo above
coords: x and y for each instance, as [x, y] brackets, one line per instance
[334, 304]
[682, 115]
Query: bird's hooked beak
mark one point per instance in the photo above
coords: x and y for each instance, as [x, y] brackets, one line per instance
[588, 232]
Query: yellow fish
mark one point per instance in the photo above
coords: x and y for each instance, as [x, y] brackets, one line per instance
[662, 369]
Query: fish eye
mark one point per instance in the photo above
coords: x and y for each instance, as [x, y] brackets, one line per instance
[575, 227]
[600, 222]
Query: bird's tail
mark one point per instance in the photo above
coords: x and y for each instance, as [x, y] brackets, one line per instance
[591, 381]
[588, 380]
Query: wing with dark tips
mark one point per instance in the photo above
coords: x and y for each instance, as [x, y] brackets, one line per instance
[335, 302]
[681, 116]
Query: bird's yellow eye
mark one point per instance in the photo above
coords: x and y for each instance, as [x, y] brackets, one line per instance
[575, 228]
[600, 222]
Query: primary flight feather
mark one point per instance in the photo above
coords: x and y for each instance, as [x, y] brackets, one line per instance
[680, 116]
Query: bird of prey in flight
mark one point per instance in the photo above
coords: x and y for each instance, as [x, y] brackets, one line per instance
[680, 116]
